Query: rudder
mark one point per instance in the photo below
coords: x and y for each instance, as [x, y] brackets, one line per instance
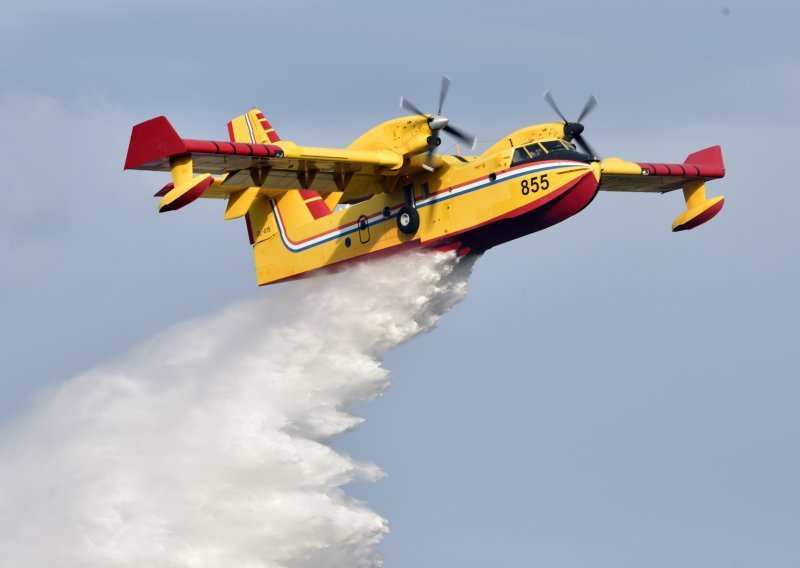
[252, 127]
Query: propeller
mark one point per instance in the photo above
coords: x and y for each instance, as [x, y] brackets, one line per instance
[438, 123]
[573, 130]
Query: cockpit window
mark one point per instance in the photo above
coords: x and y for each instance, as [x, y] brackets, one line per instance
[547, 150]
[520, 156]
[553, 145]
[535, 150]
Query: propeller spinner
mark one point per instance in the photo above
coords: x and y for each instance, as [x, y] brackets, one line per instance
[438, 123]
[573, 130]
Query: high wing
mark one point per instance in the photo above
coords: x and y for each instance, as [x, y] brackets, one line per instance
[229, 168]
[691, 175]
[619, 175]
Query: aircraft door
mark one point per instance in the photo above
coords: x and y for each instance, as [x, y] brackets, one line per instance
[363, 229]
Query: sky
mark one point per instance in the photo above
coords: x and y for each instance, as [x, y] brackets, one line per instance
[608, 393]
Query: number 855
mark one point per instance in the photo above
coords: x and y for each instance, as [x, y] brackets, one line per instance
[536, 183]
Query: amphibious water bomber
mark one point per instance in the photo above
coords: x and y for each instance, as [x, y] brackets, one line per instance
[308, 208]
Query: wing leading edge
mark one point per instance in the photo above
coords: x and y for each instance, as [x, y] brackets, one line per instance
[275, 167]
[619, 175]
[691, 176]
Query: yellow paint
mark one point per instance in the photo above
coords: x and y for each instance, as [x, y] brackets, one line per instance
[371, 174]
[333, 199]
[526, 135]
[260, 135]
[696, 203]
[239, 203]
[615, 166]
[240, 131]
[380, 158]
[181, 189]
[275, 260]
[181, 169]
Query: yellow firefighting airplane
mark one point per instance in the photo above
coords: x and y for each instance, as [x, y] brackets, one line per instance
[309, 208]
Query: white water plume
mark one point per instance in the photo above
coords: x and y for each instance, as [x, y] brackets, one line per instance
[206, 445]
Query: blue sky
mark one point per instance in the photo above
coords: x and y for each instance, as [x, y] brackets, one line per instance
[608, 394]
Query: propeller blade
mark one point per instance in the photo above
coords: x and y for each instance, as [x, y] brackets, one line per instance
[585, 146]
[409, 106]
[437, 123]
[443, 91]
[461, 135]
[552, 102]
[587, 108]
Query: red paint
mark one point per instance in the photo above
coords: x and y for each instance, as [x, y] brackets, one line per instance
[318, 207]
[189, 196]
[569, 204]
[706, 215]
[273, 136]
[710, 160]
[151, 141]
[164, 190]
[533, 205]
[706, 164]
[556, 207]
[230, 132]
[563, 204]
[155, 141]
[249, 228]
[539, 215]
[447, 247]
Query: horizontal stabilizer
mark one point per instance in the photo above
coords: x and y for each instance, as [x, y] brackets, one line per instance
[155, 141]
[269, 163]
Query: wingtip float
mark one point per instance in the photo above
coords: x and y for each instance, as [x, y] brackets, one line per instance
[309, 208]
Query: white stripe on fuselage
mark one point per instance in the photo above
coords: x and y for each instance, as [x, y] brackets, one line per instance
[374, 219]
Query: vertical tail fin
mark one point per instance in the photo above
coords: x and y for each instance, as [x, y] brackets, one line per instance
[289, 209]
[252, 127]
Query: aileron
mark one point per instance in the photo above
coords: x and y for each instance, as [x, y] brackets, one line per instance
[307, 208]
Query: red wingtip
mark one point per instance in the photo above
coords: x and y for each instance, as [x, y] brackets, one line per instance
[711, 158]
[152, 141]
[164, 190]
[200, 185]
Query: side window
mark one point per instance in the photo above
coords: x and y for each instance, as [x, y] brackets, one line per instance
[520, 156]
